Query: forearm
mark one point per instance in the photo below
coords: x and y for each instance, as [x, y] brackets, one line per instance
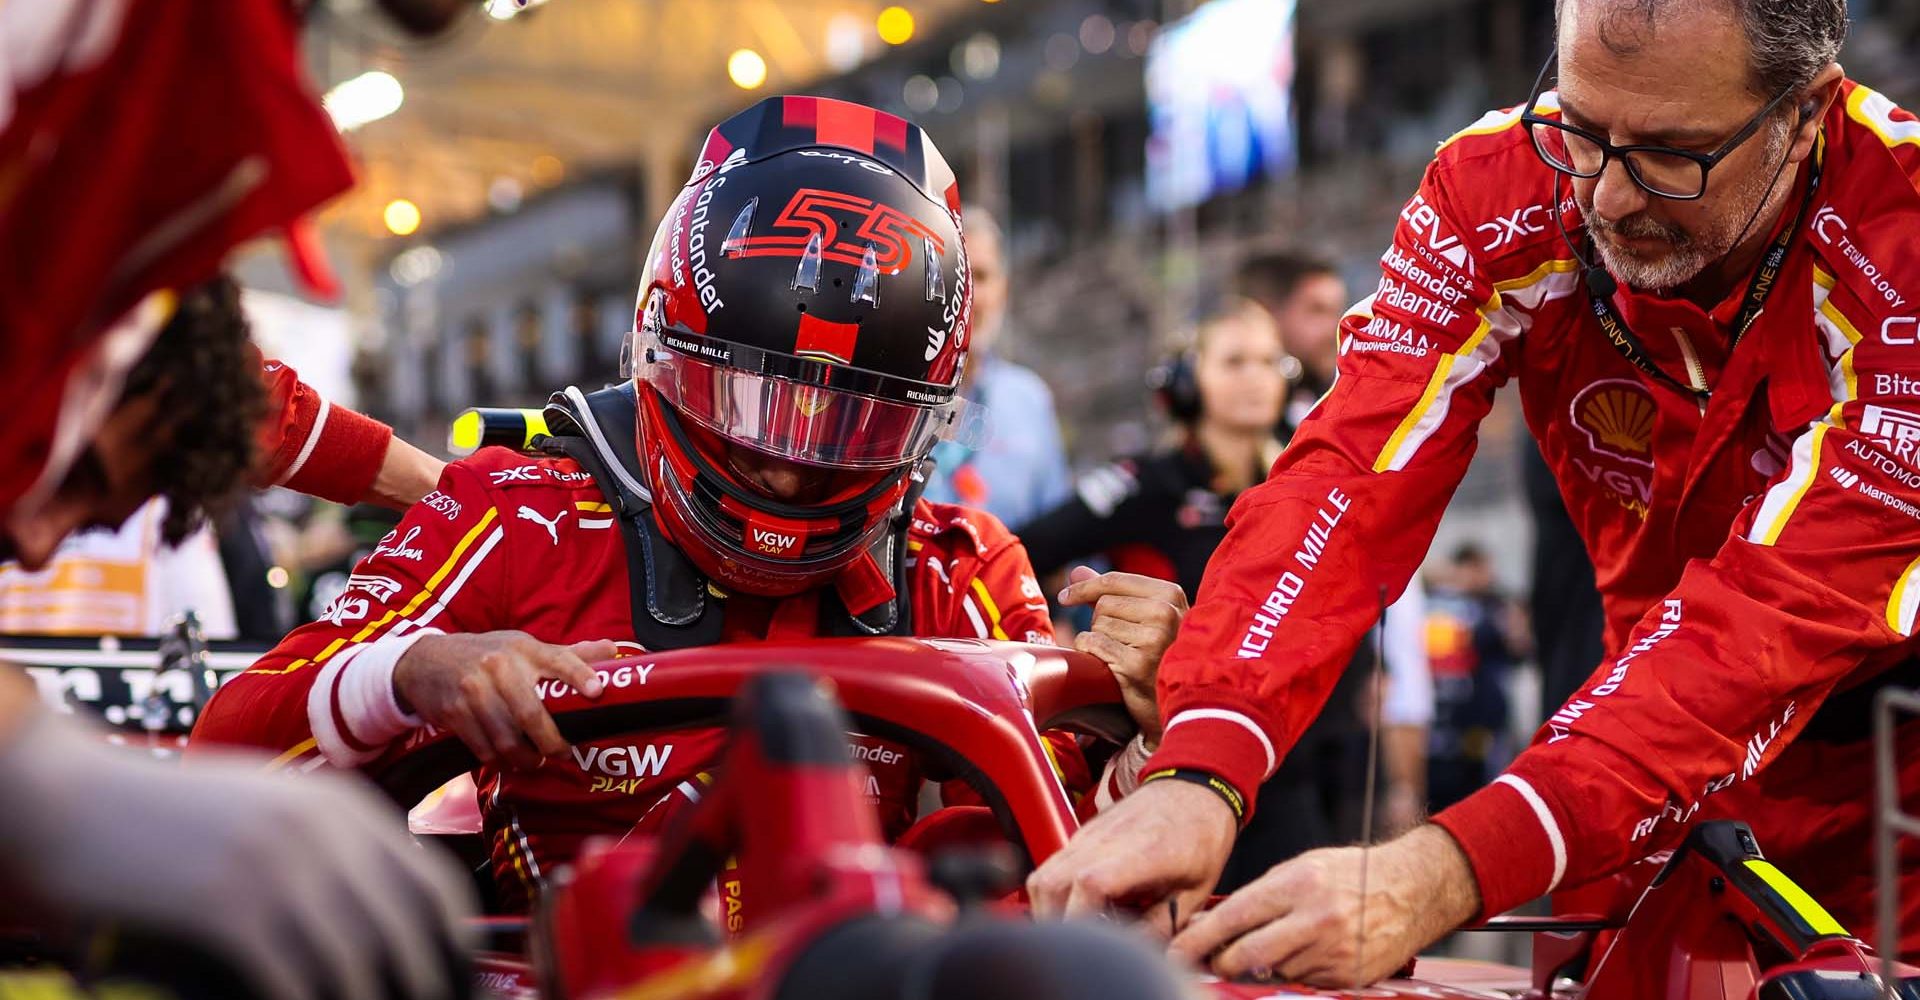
[406, 474]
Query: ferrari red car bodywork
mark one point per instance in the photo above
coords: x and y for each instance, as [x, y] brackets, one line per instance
[812, 902]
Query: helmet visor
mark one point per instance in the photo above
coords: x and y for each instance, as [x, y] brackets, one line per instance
[801, 422]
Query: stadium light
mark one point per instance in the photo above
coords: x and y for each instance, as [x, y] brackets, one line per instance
[548, 170]
[368, 97]
[895, 25]
[746, 69]
[402, 217]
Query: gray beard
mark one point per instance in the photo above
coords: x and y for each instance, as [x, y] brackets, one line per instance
[1688, 254]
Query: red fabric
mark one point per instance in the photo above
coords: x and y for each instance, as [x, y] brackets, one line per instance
[478, 555]
[340, 464]
[1746, 578]
[137, 166]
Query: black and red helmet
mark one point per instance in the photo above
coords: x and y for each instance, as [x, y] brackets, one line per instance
[807, 297]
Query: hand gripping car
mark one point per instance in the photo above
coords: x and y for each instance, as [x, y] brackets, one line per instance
[831, 911]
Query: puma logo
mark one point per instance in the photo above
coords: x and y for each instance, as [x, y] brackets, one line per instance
[553, 527]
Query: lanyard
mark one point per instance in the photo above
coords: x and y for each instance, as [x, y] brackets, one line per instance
[1752, 304]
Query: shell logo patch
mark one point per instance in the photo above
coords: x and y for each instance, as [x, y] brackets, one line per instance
[1616, 416]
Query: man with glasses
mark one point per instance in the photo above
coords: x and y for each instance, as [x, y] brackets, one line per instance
[1699, 256]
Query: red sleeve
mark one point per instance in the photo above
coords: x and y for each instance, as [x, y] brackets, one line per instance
[310, 445]
[441, 570]
[1817, 581]
[1351, 506]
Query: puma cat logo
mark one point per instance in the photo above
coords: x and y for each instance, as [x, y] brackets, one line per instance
[553, 527]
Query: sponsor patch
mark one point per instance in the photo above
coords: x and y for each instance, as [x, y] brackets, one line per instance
[446, 505]
[1612, 443]
[1425, 222]
[552, 525]
[402, 548]
[1517, 225]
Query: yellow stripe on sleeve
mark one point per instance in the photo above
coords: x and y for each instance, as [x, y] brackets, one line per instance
[993, 611]
[1905, 599]
[1805, 475]
[1833, 314]
[1438, 379]
[293, 753]
[1495, 122]
[1873, 110]
[412, 605]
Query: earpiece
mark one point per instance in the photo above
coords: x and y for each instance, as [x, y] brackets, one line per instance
[1177, 387]
[1808, 109]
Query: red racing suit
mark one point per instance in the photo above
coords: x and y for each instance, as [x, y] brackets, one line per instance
[1756, 555]
[510, 541]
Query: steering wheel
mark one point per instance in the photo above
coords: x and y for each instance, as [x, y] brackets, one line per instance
[974, 707]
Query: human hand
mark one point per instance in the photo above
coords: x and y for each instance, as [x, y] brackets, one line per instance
[1166, 842]
[1302, 920]
[305, 887]
[480, 686]
[1135, 619]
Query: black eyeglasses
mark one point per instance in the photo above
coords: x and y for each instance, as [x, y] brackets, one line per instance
[1678, 174]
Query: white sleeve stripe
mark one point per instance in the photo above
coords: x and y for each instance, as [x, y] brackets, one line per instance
[973, 615]
[1547, 823]
[313, 439]
[1784, 498]
[1228, 715]
[445, 597]
[320, 714]
[1502, 324]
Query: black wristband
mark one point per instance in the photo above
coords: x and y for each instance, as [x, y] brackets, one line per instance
[1228, 794]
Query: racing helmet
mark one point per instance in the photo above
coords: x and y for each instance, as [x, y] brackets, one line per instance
[807, 299]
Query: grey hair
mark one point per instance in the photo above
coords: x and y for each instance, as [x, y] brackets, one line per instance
[1790, 41]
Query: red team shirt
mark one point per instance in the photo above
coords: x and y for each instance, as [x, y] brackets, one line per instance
[510, 541]
[1756, 558]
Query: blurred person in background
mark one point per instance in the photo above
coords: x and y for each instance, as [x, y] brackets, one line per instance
[1164, 514]
[1474, 641]
[1306, 296]
[1017, 469]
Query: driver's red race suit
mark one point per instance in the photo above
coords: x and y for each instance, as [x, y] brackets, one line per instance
[1758, 556]
[510, 541]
